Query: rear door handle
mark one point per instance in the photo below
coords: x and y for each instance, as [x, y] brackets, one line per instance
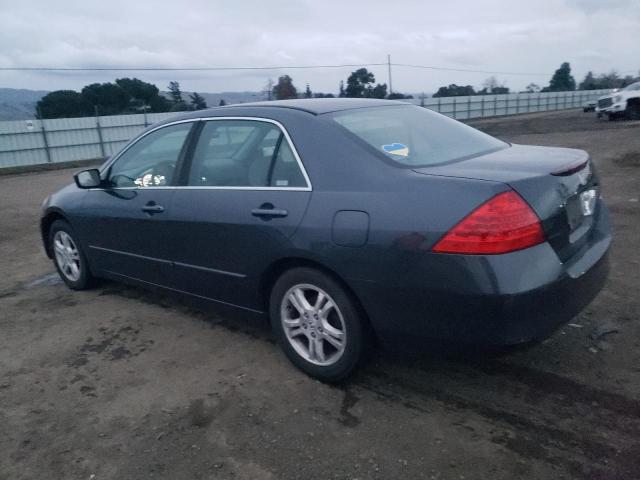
[153, 208]
[269, 212]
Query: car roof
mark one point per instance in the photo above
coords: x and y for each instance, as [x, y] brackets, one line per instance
[315, 106]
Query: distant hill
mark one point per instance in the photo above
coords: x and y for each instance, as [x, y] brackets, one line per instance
[19, 104]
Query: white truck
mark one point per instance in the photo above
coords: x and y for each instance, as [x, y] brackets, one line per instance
[624, 102]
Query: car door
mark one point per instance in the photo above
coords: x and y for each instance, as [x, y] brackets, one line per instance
[125, 223]
[244, 195]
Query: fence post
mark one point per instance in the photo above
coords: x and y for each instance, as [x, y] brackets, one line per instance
[482, 107]
[469, 107]
[438, 104]
[454, 107]
[99, 132]
[528, 103]
[144, 110]
[44, 137]
[495, 105]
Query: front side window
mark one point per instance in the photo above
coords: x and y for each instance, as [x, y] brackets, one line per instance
[151, 161]
[414, 136]
[244, 153]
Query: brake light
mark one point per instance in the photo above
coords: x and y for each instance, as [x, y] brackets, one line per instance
[503, 224]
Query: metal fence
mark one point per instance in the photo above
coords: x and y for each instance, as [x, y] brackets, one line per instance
[34, 142]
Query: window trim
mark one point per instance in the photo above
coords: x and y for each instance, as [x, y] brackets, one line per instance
[193, 141]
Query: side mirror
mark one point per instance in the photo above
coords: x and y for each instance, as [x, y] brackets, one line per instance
[88, 178]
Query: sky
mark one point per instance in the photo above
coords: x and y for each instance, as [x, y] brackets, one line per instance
[516, 36]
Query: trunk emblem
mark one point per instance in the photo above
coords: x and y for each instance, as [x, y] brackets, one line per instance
[588, 202]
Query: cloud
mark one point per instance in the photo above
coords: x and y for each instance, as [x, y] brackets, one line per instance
[487, 35]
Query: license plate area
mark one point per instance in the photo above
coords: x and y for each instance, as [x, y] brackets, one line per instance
[580, 209]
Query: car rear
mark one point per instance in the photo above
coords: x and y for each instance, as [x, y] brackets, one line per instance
[561, 261]
[508, 268]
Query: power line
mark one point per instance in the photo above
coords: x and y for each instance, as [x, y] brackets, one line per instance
[430, 67]
[185, 69]
[281, 67]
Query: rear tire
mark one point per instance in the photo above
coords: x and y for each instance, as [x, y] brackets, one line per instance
[68, 257]
[317, 324]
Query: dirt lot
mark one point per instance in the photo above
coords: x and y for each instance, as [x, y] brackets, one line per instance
[116, 383]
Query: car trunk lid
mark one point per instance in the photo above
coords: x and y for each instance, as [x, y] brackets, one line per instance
[556, 182]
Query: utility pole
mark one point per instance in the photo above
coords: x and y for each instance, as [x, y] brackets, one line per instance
[389, 68]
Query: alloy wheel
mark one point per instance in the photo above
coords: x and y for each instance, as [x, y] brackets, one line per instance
[313, 324]
[67, 255]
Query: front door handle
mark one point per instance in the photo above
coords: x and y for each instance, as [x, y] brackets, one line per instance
[153, 208]
[268, 211]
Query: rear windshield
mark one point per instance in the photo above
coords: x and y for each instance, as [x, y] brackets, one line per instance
[414, 136]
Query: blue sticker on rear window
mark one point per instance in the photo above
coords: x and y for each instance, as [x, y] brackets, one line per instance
[399, 149]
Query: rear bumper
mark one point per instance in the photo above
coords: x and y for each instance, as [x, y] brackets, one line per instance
[492, 300]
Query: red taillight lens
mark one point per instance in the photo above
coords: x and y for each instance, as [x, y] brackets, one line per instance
[503, 224]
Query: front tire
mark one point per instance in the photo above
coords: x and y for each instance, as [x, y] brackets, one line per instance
[68, 257]
[317, 324]
[632, 112]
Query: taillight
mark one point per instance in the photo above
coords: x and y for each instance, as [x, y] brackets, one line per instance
[503, 224]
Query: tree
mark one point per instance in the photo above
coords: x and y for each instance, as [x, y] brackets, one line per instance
[174, 92]
[222, 103]
[141, 93]
[454, 90]
[562, 80]
[532, 88]
[493, 87]
[268, 89]
[108, 98]
[284, 89]
[379, 91]
[63, 104]
[307, 92]
[175, 96]
[197, 101]
[606, 80]
[342, 92]
[358, 82]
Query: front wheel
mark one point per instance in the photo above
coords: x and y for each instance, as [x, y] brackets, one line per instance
[317, 324]
[68, 257]
[632, 111]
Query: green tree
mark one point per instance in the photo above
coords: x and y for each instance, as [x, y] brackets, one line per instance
[454, 90]
[174, 92]
[589, 82]
[108, 98]
[307, 92]
[63, 104]
[284, 89]
[141, 93]
[379, 91]
[562, 80]
[358, 82]
[222, 103]
[197, 101]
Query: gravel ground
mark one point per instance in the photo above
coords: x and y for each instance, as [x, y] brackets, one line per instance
[119, 383]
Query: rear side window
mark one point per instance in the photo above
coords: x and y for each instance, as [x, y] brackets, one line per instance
[244, 153]
[414, 136]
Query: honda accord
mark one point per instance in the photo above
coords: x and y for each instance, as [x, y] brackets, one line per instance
[343, 221]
